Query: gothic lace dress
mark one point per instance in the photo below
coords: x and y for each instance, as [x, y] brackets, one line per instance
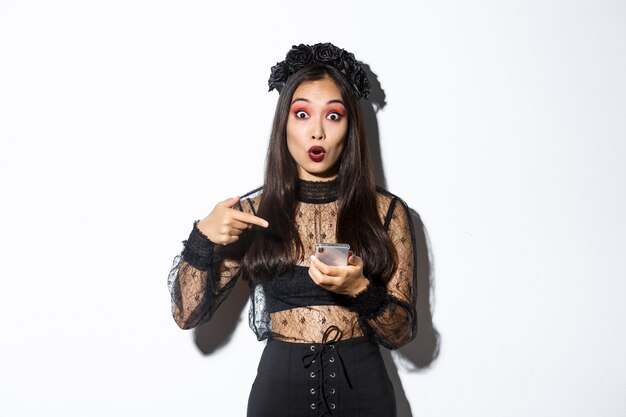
[291, 307]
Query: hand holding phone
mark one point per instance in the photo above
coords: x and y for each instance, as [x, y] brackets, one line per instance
[330, 269]
[335, 254]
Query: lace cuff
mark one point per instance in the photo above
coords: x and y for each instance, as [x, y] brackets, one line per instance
[371, 301]
[198, 250]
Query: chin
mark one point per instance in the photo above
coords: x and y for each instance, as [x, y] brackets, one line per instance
[321, 175]
[320, 171]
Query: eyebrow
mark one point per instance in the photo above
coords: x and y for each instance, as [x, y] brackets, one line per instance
[329, 102]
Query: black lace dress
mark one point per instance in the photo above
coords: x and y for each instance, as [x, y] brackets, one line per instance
[304, 321]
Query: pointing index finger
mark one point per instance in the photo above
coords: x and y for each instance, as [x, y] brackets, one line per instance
[251, 219]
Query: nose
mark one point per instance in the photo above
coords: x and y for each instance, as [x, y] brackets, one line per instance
[317, 130]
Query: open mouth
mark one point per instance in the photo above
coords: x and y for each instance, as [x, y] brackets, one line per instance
[317, 153]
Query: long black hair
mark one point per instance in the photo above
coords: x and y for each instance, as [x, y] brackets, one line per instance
[274, 250]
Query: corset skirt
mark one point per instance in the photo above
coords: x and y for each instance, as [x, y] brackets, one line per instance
[346, 378]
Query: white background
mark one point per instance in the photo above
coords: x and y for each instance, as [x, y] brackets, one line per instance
[121, 122]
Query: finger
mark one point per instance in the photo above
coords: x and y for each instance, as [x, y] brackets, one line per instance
[235, 232]
[227, 240]
[227, 231]
[236, 224]
[229, 202]
[326, 269]
[354, 260]
[235, 219]
[250, 219]
[319, 278]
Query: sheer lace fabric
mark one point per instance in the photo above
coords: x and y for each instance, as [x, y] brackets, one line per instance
[292, 307]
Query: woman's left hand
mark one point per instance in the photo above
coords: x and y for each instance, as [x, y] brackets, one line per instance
[347, 280]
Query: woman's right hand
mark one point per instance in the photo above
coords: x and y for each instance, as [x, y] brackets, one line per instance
[224, 224]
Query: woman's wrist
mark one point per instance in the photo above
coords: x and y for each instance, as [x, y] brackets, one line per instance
[198, 250]
[360, 286]
[370, 300]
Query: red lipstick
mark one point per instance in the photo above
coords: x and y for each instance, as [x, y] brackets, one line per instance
[317, 153]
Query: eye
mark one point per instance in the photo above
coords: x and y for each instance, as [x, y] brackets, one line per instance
[301, 114]
[334, 116]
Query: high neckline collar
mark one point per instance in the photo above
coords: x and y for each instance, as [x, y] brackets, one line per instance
[317, 192]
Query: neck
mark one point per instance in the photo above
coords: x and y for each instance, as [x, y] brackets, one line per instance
[317, 192]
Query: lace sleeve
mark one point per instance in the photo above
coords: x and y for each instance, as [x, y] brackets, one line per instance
[388, 311]
[201, 278]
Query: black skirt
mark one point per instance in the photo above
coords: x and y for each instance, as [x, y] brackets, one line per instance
[336, 378]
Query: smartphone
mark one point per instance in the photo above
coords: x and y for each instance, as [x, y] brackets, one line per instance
[335, 254]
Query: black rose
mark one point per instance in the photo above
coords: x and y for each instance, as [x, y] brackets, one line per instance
[361, 83]
[299, 56]
[326, 53]
[347, 64]
[278, 76]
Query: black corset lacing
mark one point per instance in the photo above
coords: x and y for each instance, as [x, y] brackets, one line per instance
[315, 363]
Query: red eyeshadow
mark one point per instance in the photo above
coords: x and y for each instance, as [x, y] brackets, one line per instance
[298, 107]
[339, 110]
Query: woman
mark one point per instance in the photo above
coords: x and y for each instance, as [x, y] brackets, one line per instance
[323, 323]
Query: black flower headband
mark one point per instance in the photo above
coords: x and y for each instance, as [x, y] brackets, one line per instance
[321, 53]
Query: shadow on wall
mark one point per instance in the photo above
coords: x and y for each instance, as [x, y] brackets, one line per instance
[218, 331]
[420, 353]
[417, 355]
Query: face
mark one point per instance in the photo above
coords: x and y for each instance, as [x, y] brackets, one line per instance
[316, 129]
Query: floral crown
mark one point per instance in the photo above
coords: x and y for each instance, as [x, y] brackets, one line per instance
[320, 53]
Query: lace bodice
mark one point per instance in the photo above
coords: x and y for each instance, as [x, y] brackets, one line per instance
[292, 307]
